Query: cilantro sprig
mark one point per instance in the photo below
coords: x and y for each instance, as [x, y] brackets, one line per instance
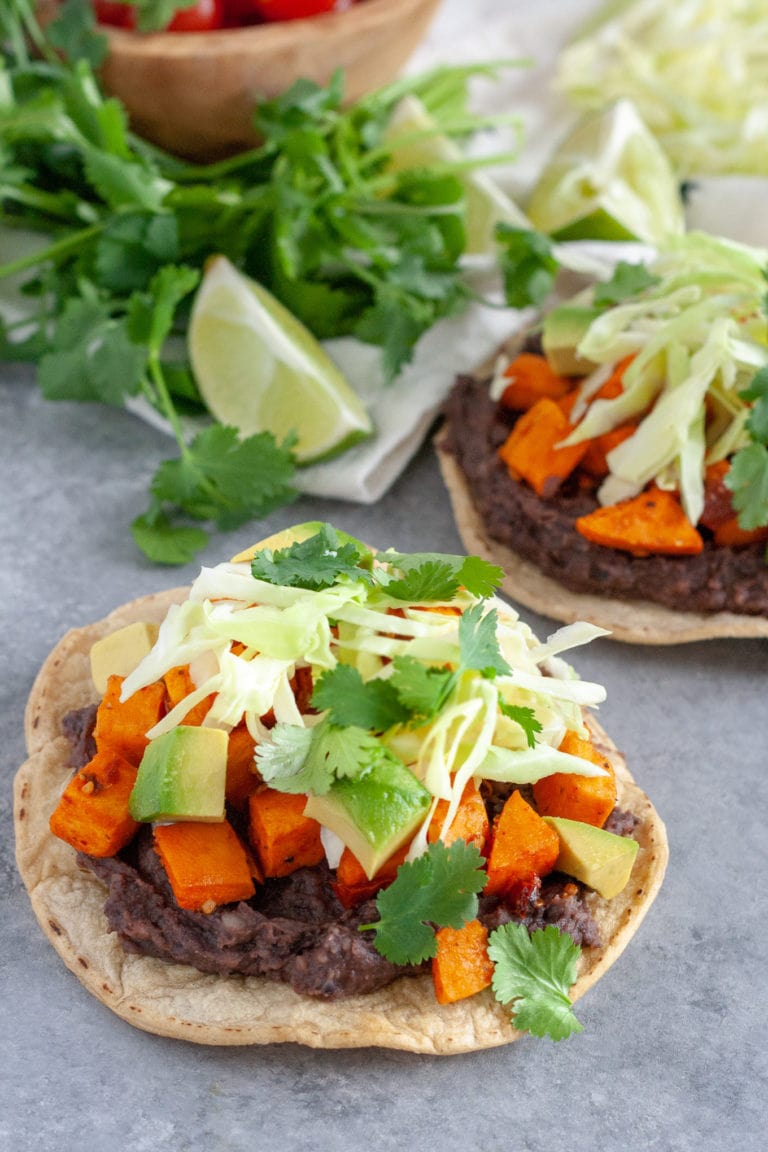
[415, 692]
[317, 213]
[747, 477]
[309, 760]
[534, 972]
[438, 888]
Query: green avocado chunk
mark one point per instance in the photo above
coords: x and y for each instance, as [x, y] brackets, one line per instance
[600, 859]
[375, 814]
[562, 332]
[182, 776]
[118, 653]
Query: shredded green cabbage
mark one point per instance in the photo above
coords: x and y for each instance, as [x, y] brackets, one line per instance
[244, 639]
[697, 70]
[698, 336]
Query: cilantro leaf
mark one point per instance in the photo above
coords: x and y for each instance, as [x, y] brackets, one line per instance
[74, 32]
[528, 265]
[757, 423]
[309, 760]
[437, 888]
[480, 577]
[431, 580]
[627, 280]
[421, 688]
[747, 479]
[222, 478]
[373, 705]
[315, 563]
[438, 574]
[91, 357]
[534, 972]
[164, 542]
[480, 650]
[525, 717]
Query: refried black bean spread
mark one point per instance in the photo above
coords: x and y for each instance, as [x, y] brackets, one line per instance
[543, 533]
[294, 929]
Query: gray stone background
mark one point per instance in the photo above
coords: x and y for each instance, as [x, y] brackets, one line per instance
[673, 1055]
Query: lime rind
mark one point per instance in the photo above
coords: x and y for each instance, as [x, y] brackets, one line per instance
[260, 370]
[610, 180]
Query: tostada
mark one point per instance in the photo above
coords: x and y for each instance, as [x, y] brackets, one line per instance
[616, 462]
[332, 797]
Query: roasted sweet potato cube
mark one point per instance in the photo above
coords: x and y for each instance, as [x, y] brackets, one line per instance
[178, 685]
[522, 844]
[206, 864]
[590, 799]
[352, 885]
[470, 822]
[92, 814]
[462, 966]
[123, 726]
[531, 450]
[284, 838]
[242, 779]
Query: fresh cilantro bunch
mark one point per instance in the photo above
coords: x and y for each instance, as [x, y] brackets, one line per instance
[315, 213]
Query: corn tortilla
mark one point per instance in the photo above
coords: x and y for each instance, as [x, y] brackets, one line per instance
[176, 1000]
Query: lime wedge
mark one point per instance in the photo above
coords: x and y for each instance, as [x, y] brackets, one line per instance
[414, 143]
[260, 370]
[608, 180]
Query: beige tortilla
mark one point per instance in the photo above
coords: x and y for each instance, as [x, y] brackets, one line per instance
[634, 621]
[178, 1001]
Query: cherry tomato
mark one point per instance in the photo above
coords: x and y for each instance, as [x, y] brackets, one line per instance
[238, 13]
[110, 12]
[297, 9]
[204, 16]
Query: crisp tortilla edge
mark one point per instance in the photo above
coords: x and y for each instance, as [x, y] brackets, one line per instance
[632, 621]
[179, 1002]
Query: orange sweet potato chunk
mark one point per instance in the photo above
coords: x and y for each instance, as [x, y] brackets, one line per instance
[462, 966]
[241, 769]
[470, 822]
[590, 799]
[284, 838]
[178, 685]
[530, 451]
[522, 845]
[530, 378]
[205, 862]
[352, 886]
[123, 726]
[92, 814]
[652, 523]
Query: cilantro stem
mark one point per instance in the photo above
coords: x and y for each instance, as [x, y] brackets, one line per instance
[163, 398]
[55, 251]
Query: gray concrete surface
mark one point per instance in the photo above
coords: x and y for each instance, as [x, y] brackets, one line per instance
[673, 1055]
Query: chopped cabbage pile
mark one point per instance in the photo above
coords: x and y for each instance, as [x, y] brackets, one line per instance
[698, 335]
[697, 70]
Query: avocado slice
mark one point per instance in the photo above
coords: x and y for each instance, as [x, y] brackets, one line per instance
[182, 776]
[374, 814]
[562, 332]
[600, 859]
[296, 534]
[120, 652]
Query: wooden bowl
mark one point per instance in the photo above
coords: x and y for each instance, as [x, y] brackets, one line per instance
[193, 93]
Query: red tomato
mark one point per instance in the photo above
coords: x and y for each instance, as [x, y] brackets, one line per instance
[201, 17]
[240, 12]
[110, 12]
[297, 9]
